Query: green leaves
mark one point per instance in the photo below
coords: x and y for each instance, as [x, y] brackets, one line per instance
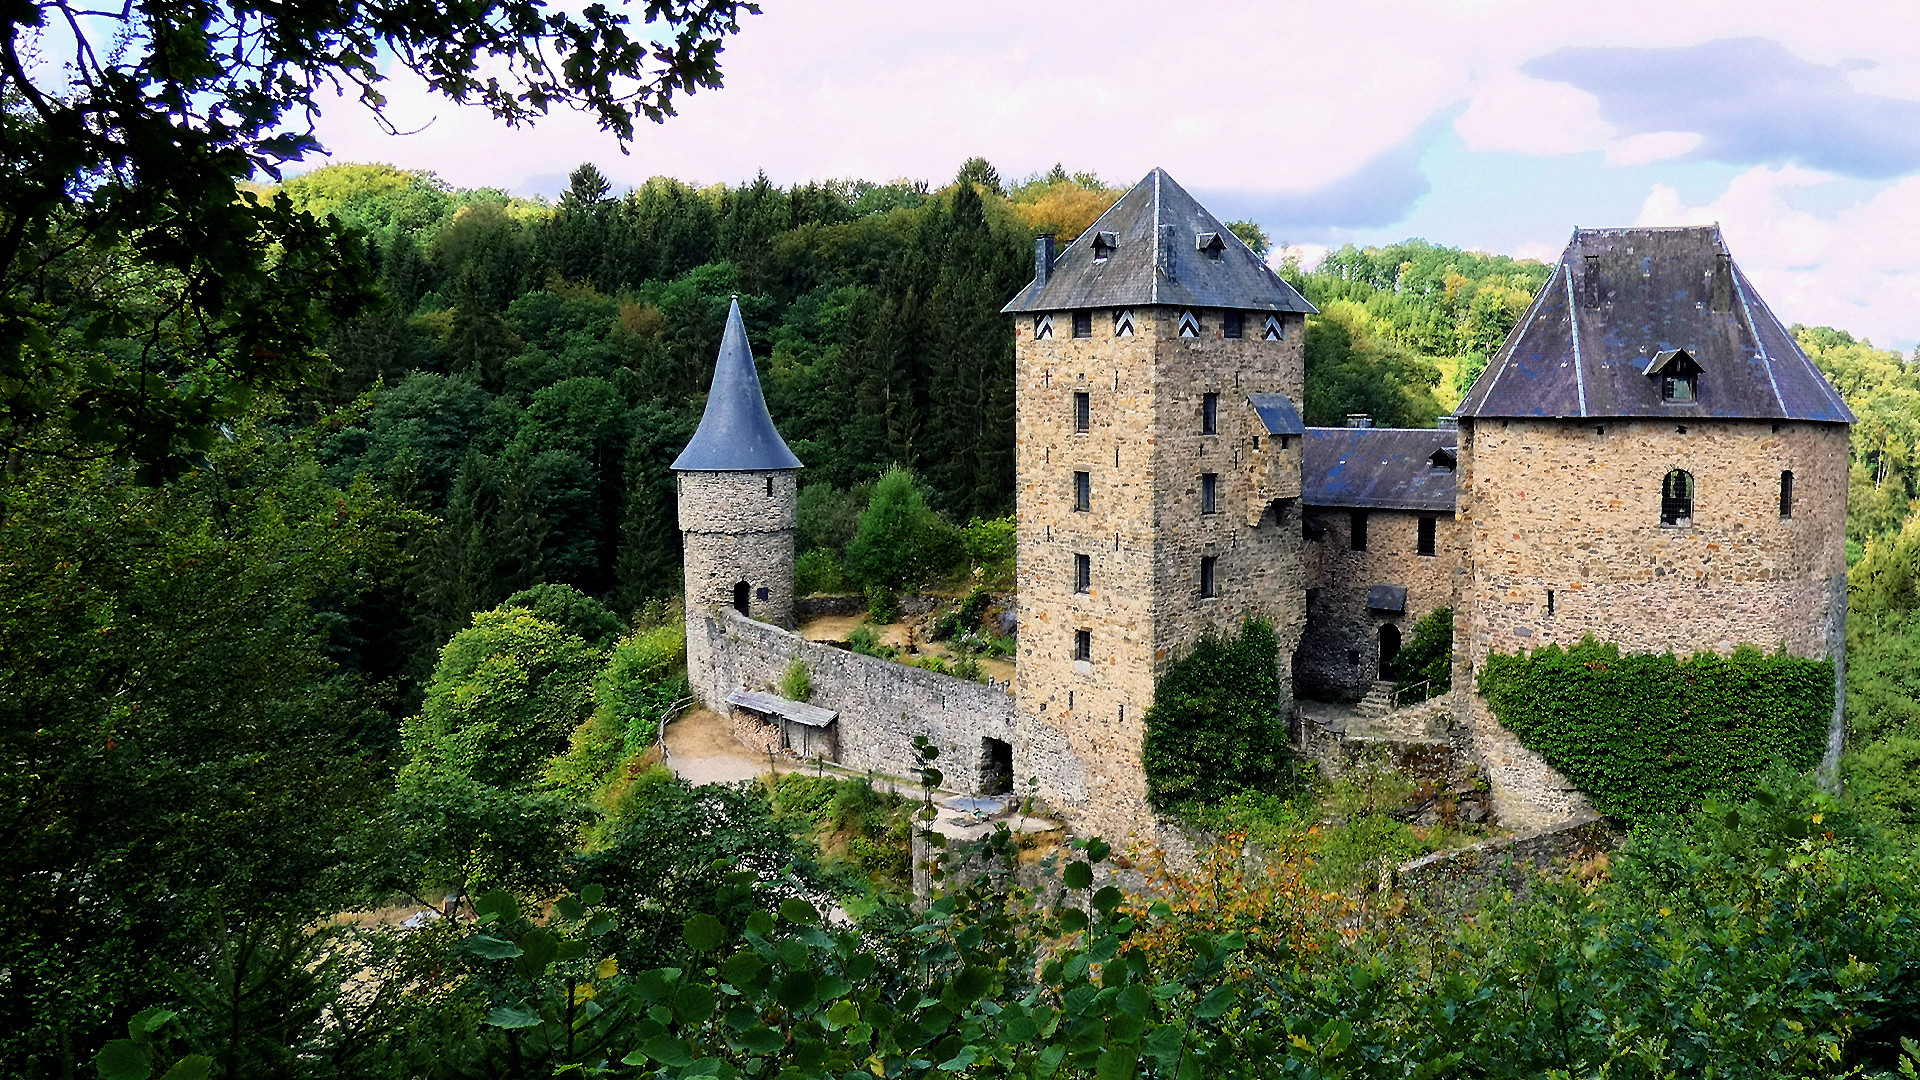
[703, 933]
[1214, 727]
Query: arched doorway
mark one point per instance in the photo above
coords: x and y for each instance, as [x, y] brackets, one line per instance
[740, 597]
[1389, 648]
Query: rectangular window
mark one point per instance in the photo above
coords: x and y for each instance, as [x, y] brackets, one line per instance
[1549, 601]
[1786, 493]
[1230, 323]
[1083, 324]
[1210, 414]
[1083, 645]
[1357, 535]
[1209, 488]
[1082, 573]
[1427, 528]
[1082, 411]
[1206, 575]
[1082, 491]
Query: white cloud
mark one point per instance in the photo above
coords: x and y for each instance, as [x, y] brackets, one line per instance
[1651, 147]
[1854, 268]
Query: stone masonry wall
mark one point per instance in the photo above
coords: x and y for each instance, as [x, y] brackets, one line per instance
[1143, 532]
[1339, 656]
[738, 526]
[1574, 507]
[883, 705]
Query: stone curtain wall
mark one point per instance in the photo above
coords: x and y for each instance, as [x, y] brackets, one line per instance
[1144, 533]
[883, 705]
[1575, 507]
[1339, 655]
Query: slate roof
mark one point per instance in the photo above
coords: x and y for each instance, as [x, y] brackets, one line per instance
[1157, 230]
[1377, 468]
[736, 432]
[1277, 413]
[771, 705]
[1618, 298]
[1387, 598]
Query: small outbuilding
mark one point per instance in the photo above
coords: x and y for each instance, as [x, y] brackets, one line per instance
[772, 722]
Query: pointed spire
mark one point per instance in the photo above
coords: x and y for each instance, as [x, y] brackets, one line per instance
[736, 433]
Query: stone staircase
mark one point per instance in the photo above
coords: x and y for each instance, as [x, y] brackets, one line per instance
[1379, 700]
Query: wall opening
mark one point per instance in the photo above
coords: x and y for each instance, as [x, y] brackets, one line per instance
[740, 593]
[1357, 531]
[1389, 648]
[1676, 498]
[1209, 414]
[1786, 493]
[996, 767]
[1082, 411]
[1428, 526]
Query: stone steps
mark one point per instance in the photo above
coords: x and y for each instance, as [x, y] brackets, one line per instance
[1379, 700]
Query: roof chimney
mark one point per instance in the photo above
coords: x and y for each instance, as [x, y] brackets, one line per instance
[1359, 419]
[1042, 258]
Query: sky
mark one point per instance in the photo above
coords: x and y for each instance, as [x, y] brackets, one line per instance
[1499, 125]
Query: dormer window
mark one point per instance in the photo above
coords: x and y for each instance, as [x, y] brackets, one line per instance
[1209, 244]
[1443, 458]
[1679, 376]
[1103, 245]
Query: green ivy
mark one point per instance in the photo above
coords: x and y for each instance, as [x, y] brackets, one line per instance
[1215, 727]
[1648, 735]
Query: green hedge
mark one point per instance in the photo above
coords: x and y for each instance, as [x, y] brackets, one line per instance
[1215, 727]
[1647, 735]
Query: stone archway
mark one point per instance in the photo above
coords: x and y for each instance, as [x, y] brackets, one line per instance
[1389, 648]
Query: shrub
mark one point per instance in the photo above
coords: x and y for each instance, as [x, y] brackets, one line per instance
[797, 683]
[819, 571]
[991, 544]
[866, 642]
[1651, 735]
[901, 541]
[965, 618]
[883, 607]
[1215, 727]
[1429, 655]
[571, 610]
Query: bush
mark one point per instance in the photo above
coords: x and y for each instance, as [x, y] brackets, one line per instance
[1651, 735]
[866, 642]
[797, 683]
[965, 618]
[643, 677]
[991, 544]
[819, 571]
[901, 541]
[571, 610]
[883, 607]
[1429, 655]
[1215, 726]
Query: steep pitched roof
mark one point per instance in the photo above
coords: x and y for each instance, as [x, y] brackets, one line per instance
[1377, 468]
[1621, 297]
[735, 432]
[1159, 237]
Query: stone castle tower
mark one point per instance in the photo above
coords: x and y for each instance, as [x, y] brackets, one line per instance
[739, 489]
[1650, 459]
[1158, 363]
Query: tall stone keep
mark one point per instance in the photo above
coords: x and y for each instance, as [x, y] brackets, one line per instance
[738, 487]
[1158, 367]
[1650, 459]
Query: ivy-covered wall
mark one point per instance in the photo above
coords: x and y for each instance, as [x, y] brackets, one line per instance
[1650, 734]
[1215, 726]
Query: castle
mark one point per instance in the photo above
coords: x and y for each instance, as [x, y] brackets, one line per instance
[1649, 459]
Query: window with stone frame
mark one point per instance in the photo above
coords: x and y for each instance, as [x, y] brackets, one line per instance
[1676, 499]
[1083, 645]
[1210, 414]
[1207, 563]
[1083, 492]
[1357, 531]
[1786, 493]
[1232, 323]
[1083, 324]
[1082, 411]
[1209, 492]
[1082, 573]
[1429, 527]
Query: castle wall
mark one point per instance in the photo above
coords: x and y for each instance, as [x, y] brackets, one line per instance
[1143, 532]
[1574, 507]
[1339, 655]
[883, 705]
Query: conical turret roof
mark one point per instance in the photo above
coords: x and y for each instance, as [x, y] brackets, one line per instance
[736, 433]
[1158, 246]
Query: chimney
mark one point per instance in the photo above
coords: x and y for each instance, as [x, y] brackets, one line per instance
[1590, 284]
[1447, 423]
[1722, 299]
[1359, 419]
[1166, 250]
[1042, 258]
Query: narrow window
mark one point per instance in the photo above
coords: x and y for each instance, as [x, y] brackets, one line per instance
[1210, 414]
[1357, 535]
[1209, 489]
[1083, 324]
[1083, 645]
[1786, 493]
[1676, 498]
[1082, 573]
[1082, 411]
[1427, 528]
[769, 487]
[1206, 575]
[1549, 601]
[1082, 491]
[1231, 323]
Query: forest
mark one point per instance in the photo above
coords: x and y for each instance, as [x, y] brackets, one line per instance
[338, 568]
